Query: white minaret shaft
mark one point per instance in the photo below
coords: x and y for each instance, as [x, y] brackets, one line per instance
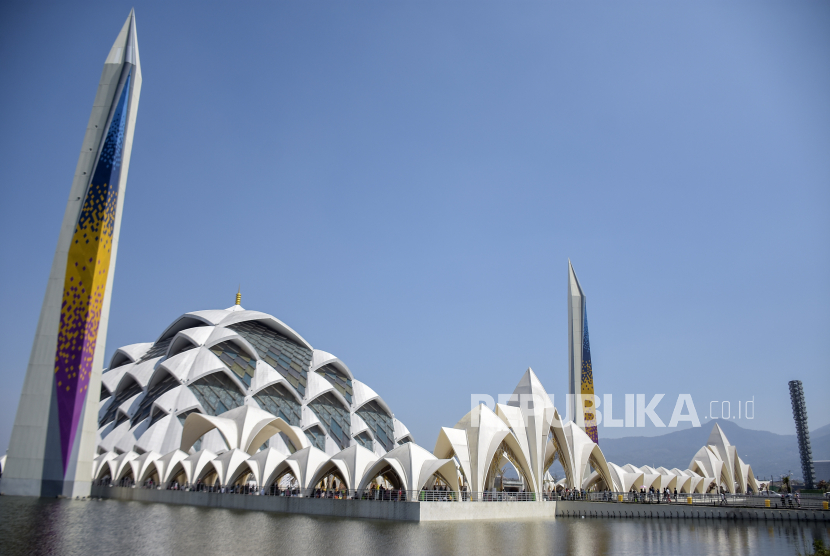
[53, 439]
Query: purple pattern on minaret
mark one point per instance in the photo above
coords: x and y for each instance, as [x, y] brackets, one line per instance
[85, 284]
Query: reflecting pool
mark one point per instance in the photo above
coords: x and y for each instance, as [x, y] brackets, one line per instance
[36, 526]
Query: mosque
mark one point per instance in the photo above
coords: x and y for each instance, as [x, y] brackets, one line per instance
[229, 398]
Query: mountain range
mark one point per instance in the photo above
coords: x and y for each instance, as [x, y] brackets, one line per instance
[768, 453]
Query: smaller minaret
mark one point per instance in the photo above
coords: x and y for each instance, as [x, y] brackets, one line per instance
[580, 372]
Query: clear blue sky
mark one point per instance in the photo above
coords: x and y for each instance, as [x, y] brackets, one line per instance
[403, 183]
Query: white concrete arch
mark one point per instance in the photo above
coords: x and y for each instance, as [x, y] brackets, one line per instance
[222, 335]
[624, 479]
[328, 390]
[142, 464]
[530, 420]
[264, 463]
[316, 386]
[128, 354]
[485, 432]
[684, 480]
[100, 465]
[121, 465]
[229, 464]
[148, 473]
[321, 358]
[180, 365]
[413, 466]
[245, 428]
[328, 468]
[195, 465]
[111, 379]
[265, 375]
[160, 373]
[188, 320]
[363, 395]
[179, 344]
[214, 365]
[302, 464]
[170, 464]
[126, 442]
[452, 442]
[143, 370]
[400, 431]
[351, 464]
[358, 425]
[113, 435]
[210, 316]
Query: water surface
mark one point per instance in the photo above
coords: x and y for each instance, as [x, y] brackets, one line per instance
[66, 527]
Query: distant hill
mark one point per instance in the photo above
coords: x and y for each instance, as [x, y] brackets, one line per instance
[768, 453]
[820, 442]
[820, 432]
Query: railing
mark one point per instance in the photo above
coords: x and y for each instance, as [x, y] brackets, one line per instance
[806, 501]
[377, 495]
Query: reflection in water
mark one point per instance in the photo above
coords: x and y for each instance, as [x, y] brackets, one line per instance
[33, 526]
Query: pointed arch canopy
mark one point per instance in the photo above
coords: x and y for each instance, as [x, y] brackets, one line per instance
[245, 428]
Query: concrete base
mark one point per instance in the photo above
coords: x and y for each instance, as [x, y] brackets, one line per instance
[679, 511]
[362, 509]
[44, 488]
[470, 511]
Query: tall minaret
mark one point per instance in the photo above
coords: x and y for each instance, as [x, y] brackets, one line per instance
[580, 374]
[53, 439]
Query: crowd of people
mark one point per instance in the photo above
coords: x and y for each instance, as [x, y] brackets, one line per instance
[652, 495]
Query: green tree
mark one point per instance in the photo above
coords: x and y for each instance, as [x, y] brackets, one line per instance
[818, 549]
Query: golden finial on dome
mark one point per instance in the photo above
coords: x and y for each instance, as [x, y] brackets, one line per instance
[239, 295]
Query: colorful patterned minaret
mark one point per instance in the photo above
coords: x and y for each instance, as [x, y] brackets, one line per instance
[53, 439]
[580, 373]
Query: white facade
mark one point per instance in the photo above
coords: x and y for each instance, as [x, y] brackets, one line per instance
[527, 433]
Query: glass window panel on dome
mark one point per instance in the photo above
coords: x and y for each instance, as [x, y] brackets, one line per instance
[338, 379]
[217, 393]
[290, 359]
[120, 398]
[380, 423]
[316, 437]
[277, 401]
[104, 393]
[336, 418]
[158, 415]
[154, 393]
[364, 440]
[158, 349]
[122, 417]
[236, 360]
[182, 417]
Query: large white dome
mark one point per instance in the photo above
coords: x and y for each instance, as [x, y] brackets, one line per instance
[210, 362]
